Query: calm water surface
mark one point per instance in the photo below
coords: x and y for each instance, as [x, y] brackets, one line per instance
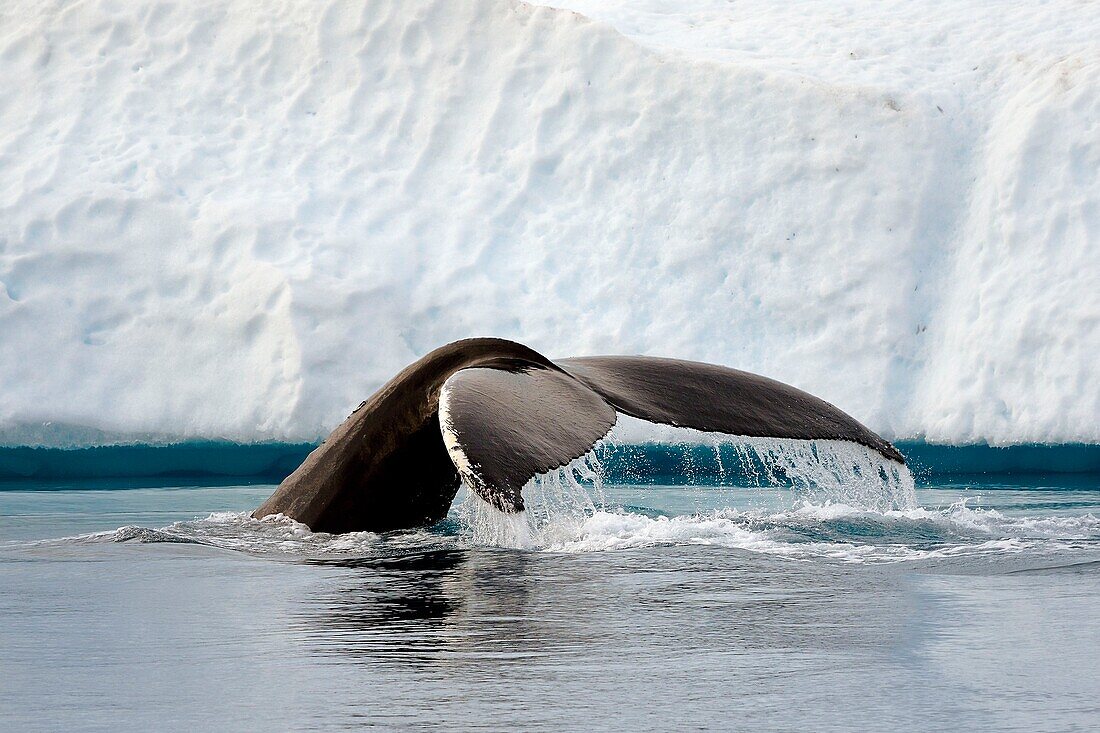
[674, 608]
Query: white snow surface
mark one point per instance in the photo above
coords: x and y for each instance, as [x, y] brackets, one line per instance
[237, 218]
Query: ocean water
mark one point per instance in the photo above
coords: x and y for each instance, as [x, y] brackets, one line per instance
[616, 607]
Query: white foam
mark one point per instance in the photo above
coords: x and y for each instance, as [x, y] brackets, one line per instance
[274, 535]
[915, 535]
[556, 504]
[775, 533]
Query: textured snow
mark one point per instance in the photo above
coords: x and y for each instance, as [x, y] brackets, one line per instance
[235, 219]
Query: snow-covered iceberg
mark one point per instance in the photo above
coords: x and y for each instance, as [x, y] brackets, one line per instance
[235, 219]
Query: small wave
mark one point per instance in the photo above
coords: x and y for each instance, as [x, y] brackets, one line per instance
[830, 531]
[854, 507]
[958, 520]
[733, 530]
[834, 531]
[275, 535]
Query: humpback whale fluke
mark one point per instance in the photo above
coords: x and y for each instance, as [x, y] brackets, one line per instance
[494, 413]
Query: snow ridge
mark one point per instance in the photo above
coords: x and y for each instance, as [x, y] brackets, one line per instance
[234, 219]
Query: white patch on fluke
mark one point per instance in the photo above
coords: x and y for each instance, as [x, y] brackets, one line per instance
[467, 469]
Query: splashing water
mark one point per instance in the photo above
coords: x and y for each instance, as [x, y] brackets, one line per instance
[557, 504]
[829, 471]
[796, 499]
[562, 503]
[818, 470]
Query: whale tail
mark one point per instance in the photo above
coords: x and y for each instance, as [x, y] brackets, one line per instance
[494, 413]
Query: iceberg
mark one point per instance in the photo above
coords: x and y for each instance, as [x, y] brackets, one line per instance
[233, 221]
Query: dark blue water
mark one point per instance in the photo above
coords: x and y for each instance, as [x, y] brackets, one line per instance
[668, 608]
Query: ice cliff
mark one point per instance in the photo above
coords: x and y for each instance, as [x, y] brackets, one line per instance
[236, 218]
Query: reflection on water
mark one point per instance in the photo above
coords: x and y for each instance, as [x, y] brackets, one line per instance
[381, 608]
[427, 607]
[704, 609]
[678, 636]
[487, 604]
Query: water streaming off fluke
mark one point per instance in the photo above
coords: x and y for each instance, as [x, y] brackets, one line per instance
[560, 502]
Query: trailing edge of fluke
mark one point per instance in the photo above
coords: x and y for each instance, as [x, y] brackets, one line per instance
[494, 413]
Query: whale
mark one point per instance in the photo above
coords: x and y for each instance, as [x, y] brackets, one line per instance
[493, 414]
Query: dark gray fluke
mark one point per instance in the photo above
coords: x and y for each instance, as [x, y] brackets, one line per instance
[499, 413]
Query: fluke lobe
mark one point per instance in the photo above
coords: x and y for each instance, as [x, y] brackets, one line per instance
[494, 413]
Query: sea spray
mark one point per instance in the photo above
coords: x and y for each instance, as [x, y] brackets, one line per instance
[561, 504]
[804, 531]
[824, 471]
[817, 470]
[556, 505]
